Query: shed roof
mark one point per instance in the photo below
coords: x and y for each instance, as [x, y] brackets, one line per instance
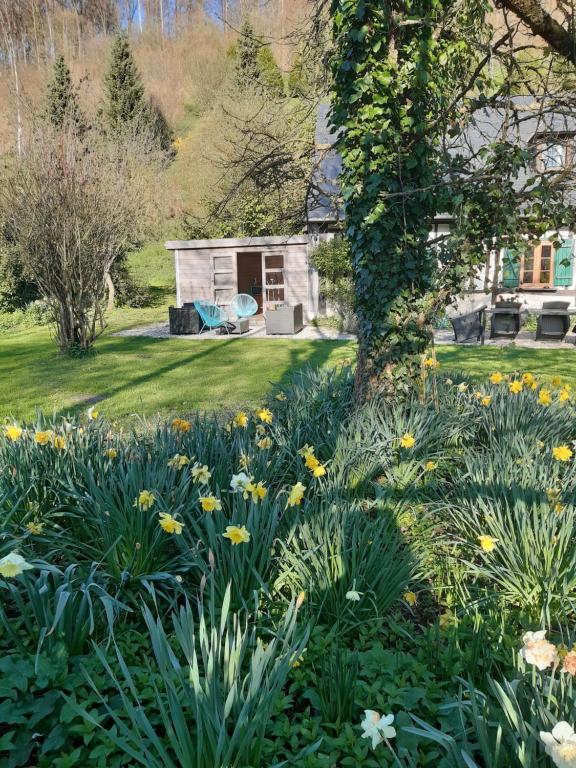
[232, 242]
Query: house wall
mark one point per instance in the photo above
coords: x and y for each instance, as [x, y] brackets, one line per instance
[207, 269]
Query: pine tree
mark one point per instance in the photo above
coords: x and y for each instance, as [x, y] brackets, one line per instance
[62, 101]
[124, 91]
[269, 75]
[247, 69]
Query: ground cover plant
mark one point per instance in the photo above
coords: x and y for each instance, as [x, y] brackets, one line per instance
[304, 583]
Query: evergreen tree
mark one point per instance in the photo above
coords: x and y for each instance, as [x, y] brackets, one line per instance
[124, 91]
[269, 75]
[247, 70]
[62, 101]
[156, 122]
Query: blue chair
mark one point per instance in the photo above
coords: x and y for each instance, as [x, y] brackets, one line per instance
[244, 305]
[212, 316]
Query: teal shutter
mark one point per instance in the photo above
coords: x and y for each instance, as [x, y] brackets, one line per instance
[563, 264]
[510, 269]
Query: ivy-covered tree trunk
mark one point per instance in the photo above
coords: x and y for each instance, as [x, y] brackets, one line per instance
[389, 92]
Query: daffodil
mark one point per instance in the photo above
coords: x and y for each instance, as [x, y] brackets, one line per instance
[13, 432]
[59, 443]
[319, 471]
[560, 745]
[544, 397]
[239, 482]
[410, 598]
[111, 453]
[181, 425]
[43, 437]
[515, 387]
[300, 600]
[296, 495]
[237, 534]
[265, 415]
[311, 461]
[281, 397]
[430, 466]
[201, 474]
[528, 378]
[13, 565]
[264, 443]
[562, 453]
[486, 400]
[431, 362]
[407, 440]
[496, 378]
[92, 414]
[257, 490]
[240, 420]
[169, 524]
[178, 461]
[353, 595]
[34, 527]
[377, 728]
[145, 500]
[564, 395]
[462, 387]
[556, 382]
[306, 450]
[210, 503]
[244, 460]
[488, 543]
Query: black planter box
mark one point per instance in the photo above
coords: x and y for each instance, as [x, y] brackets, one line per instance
[183, 320]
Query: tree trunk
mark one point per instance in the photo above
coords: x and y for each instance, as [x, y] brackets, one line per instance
[543, 24]
[111, 292]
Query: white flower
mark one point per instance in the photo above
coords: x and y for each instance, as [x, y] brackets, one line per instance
[377, 728]
[13, 565]
[538, 651]
[239, 482]
[353, 595]
[561, 745]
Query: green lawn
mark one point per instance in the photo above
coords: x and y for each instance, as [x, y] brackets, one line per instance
[149, 376]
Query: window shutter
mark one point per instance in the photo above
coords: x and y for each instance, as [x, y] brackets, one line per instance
[510, 269]
[563, 264]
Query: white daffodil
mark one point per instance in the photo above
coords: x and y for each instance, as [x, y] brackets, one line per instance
[353, 595]
[561, 745]
[239, 482]
[377, 728]
[13, 565]
[539, 651]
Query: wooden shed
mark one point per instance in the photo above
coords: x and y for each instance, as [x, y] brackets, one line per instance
[274, 270]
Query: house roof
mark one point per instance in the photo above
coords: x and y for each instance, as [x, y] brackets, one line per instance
[523, 118]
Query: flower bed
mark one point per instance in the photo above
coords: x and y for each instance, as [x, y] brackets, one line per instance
[309, 584]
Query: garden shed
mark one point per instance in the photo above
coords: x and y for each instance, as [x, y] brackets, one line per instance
[274, 270]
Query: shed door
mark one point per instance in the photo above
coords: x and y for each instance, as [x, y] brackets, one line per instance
[223, 278]
[273, 274]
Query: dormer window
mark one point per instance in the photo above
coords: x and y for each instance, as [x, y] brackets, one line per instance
[553, 157]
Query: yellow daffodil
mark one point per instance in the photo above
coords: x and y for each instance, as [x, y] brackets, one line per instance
[210, 503]
[556, 382]
[486, 400]
[257, 490]
[528, 378]
[181, 425]
[564, 395]
[311, 461]
[264, 443]
[319, 471]
[169, 524]
[265, 415]
[488, 543]
[178, 461]
[431, 362]
[478, 395]
[43, 437]
[59, 443]
[430, 466]
[145, 500]
[240, 420]
[281, 397]
[201, 474]
[296, 495]
[236, 534]
[244, 461]
[462, 387]
[544, 397]
[410, 598]
[111, 453]
[13, 432]
[92, 414]
[407, 440]
[13, 565]
[496, 378]
[34, 527]
[562, 453]
[306, 450]
[515, 387]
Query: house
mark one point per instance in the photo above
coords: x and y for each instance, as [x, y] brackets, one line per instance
[546, 271]
[277, 270]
